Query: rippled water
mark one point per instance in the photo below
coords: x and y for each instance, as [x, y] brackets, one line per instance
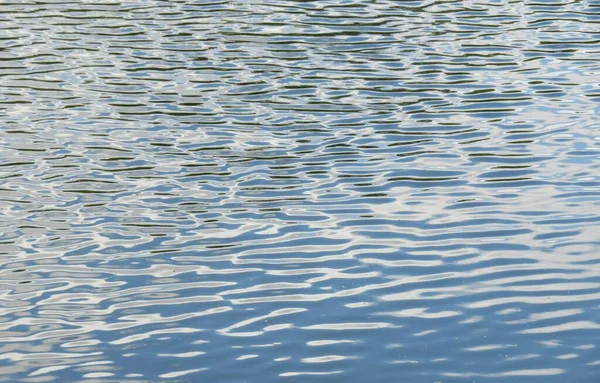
[303, 191]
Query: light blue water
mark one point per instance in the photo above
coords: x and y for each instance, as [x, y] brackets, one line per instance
[299, 191]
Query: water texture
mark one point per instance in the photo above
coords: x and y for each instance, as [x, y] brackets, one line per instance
[300, 191]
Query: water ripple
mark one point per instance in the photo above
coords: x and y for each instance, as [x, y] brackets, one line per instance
[305, 191]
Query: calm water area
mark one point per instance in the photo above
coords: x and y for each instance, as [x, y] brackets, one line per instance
[300, 191]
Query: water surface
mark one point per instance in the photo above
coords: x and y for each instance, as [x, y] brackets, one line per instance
[299, 191]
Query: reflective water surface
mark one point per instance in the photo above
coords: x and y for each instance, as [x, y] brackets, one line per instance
[300, 191]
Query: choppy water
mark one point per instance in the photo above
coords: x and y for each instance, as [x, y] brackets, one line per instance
[325, 191]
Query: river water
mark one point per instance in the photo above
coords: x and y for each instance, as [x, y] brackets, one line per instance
[300, 191]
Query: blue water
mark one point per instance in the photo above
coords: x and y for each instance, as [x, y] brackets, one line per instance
[300, 191]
